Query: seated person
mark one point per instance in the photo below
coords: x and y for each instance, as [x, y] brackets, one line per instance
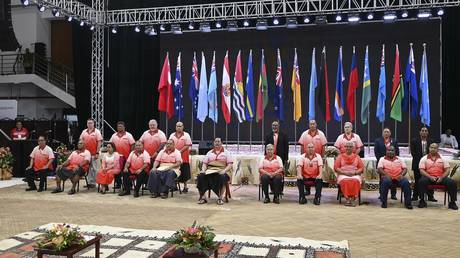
[164, 171]
[349, 169]
[137, 166]
[392, 170]
[448, 140]
[213, 176]
[41, 160]
[271, 173]
[73, 168]
[309, 168]
[435, 170]
[19, 132]
[110, 167]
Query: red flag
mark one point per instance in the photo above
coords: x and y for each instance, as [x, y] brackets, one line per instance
[323, 88]
[226, 91]
[352, 86]
[166, 99]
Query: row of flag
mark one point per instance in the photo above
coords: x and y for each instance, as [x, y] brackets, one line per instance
[240, 98]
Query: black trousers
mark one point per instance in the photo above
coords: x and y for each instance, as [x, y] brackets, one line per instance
[415, 192]
[275, 183]
[318, 186]
[162, 181]
[392, 187]
[448, 182]
[141, 179]
[213, 182]
[386, 183]
[31, 174]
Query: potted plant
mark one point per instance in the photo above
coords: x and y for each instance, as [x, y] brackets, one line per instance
[61, 237]
[6, 163]
[196, 240]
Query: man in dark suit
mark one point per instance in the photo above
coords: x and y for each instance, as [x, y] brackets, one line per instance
[419, 147]
[279, 140]
[380, 148]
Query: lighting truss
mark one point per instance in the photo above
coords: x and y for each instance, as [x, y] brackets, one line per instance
[75, 8]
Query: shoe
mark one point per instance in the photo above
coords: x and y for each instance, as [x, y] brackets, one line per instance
[40, 190]
[220, 202]
[185, 190]
[276, 200]
[31, 189]
[422, 204]
[91, 186]
[432, 199]
[303, 201]
[307, 192]
[71, 192]
[202, 201]
[384, 205]
[394, 197]
[409, 207]
[124, 193]
[317, 201]
[154, 195]
[57, 190]
[136, 194]
[267, 200]
[348, 202]
[414, 198]
[164, 196]
[453, 206]
[116, 187]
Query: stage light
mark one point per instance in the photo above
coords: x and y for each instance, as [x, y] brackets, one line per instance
[176, 29]
[353, 18]
[423, 14]
[150, 31]
[246, 23]
[41, 7]
[405, 14]
[261, 24]
[291, 23]
[91, 27]
[25, 2]
[441, 12]
[69, 18]
[191, 26]
[114, 30]
[321, 19]
[370, 16]
[55, 12]
[218, 25]
[306, 19]
[205, 27]
[232, 26]
[389, 16]
[137, 28]
[338, 18]
[276, 21]
[82, 23]
[162, 27]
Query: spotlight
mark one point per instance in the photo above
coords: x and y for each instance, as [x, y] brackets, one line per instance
[441, 12]
[162, 27]
[218, 25]
[321, 19]
[114, 30]
[69, 18]
[338, 18]
[150, 31]
[25, 2]
[137, 28]
[232, 26]
[176, 29]
[353, 18]
[291, 23]
[246, 23]
[41, 7]
[306, 19]
[276, 21]
[55, 12]
[423, 14]
[82, 23]
[91, 27]
[389, 16]
[191, 26]
[370, 16]
[261, 24]
[405, 14]
[205, 27]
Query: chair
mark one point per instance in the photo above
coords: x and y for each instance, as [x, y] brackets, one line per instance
[285, 171]
[178, 188]
[228, 195]
[340, 195]
[440, 187]
[308, 184]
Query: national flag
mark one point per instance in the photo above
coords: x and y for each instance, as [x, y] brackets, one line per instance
[178, 98]
[313, 86]
[226, 90]
[411, 89]
[166, 101]
[295, 86]
[366, 98]
[338, 103]
[323, 88]
[212, 91]
[278, 102]
[424, 88]
[250, 90]
[202, 112]
[262, 93]
[353, 84]
[397, 92]
[193, 87]
[380, 113]
[238, 90]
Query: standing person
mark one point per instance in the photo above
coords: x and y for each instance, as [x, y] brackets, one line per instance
[349, 168]
[41, 159]
[183, 142]
[271, 173]
[419, 147]
[448, 140]
[381, 146]
[280, 142]
[153, 140]
[109, 169]
[309, 168]
[92, 138]
[124, 143]
[137, 165]
[349, 136]
[315, 136]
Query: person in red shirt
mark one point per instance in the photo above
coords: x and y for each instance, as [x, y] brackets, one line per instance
[183, 142]
[349, 168]
[41, 159]
[76, 166]
[309, 168]
[137, 165]
[93, 140]
[435, 171]
[348, 136]
[392, 170]
[165, 170]
[271, 173]
[109, 169]
[315, 136]
[19, 132]
[124, 143]
[153, 140]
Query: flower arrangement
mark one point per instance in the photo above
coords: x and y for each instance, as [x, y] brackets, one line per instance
[60, 237]
[6, 163]
[331, 152]
[195, 239]
[63, 153]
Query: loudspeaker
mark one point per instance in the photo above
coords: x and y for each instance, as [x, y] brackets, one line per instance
[204, 147]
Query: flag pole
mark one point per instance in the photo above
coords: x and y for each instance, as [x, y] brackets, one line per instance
[396, 129]
[191, 131]
[326, 130]
[368, 132]
[409, 128]
[354, 106]
[295, 136]
[238, 140]
[202, 131]
[214, 130]
[226, 135]
[166, 116]
[263, 131]
[250, 136]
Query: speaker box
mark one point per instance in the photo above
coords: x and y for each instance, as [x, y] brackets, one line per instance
[204, 147]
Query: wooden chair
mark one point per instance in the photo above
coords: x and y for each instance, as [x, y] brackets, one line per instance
[228, 195]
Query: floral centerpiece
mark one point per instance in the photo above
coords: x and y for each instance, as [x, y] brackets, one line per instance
[6, 163]
[331, 152]
[60, 237]
[63, 153]
[195, 239]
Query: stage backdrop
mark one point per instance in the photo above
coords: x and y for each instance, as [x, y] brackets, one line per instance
[305, 39]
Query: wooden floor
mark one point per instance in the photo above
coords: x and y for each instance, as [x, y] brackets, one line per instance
[370, 230]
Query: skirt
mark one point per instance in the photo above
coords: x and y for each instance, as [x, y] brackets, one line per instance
[184, 173]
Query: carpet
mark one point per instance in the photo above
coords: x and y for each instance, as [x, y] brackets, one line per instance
[137, 243]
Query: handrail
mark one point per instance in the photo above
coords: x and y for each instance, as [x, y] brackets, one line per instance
[21, 63]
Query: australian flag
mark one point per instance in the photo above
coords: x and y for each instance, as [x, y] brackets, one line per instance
[178, 101]
[193, 88]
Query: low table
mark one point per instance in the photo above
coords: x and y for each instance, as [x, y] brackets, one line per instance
[179, 253]
[96, 240]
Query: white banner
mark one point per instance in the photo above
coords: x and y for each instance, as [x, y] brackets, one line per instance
[8, 108]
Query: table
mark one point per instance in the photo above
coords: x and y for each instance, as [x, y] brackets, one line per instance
[179, 253]
[96, 240]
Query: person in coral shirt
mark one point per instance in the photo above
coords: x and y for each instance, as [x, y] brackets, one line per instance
[124, 142]
[309, 168]
[110, 167]
[137, 165]
[19, 132]
[153, 140]
[41, 160]
[271, 173]
[183, 142]
[315, 136]
[93, 140]
[348, 136]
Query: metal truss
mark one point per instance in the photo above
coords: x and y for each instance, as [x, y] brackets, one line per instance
[261, 9]
[75, 8]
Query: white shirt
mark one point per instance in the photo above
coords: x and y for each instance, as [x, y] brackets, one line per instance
[452, 141]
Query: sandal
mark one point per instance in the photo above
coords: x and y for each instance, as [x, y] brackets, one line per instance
[220, 202]
[202, 201]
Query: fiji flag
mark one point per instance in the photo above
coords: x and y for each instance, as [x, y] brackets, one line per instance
[339, 90]
[193, 88]
[425, 106]
[178, 102]
[212, 91]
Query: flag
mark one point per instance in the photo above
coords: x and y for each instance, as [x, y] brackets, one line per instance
[323, 88]
[313, 86]
[178, 98]
[380, 113]
[278, 102]
[250, 90]
[411, 90]
[262, 93]
[338, 103]
[193, 87]
[238, 90]
[397, 92]
[366, 99]
[425, 106]
[202, 112]
[166, 101]
[212, 91]
[295, 86]
[353, 83]
[226, 90]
